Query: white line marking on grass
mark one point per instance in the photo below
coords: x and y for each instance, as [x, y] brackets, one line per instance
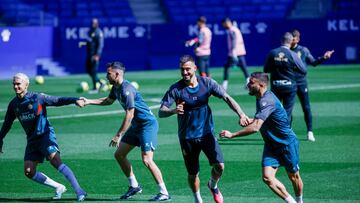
[101, 113]
[327, 87]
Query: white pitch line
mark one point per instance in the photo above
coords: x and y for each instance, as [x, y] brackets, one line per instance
[102, 113]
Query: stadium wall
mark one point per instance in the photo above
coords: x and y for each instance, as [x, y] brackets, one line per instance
[151, 47]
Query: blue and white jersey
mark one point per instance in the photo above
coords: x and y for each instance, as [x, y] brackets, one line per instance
[31, 112]
[197, 119]
[130, 98]
[276, 130]
[304, 54]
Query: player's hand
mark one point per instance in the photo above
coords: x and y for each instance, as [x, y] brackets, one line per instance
[244, 121]
[180, 108]
[328, 54]
[86, 101]
[225, 134]
[80, 102]
[96, 58]
[115, 141]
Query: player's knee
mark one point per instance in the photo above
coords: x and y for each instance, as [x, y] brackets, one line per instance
[29, 172]
[147, 162]
[267, 180]
[192, 177]
[294, 177]
[119, 156]
[219, 168]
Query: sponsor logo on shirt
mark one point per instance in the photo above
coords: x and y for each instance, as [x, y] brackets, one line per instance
[281, 57]
[26, 116]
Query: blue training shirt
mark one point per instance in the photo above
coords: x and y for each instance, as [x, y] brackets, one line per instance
[197, 119]
[276, 130]
[306, 57]
[32, 114]
[130, 98]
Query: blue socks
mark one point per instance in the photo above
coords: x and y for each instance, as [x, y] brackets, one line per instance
[69, 175]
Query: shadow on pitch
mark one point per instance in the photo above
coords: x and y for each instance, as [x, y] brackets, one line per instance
[66, 200]
[241, 142]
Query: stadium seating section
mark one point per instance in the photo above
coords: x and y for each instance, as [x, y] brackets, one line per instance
[216, 10]
[345, 8]
[80, 12]
[64, 12]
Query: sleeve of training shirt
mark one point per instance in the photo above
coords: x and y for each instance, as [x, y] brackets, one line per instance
[265, 107]
[269, 62]
[215, 88]
[299, 64]
[9, 119]
[169, 97]
[56, 101]
[129, 95]
[233, 40]
[311, 60]
[100, 42]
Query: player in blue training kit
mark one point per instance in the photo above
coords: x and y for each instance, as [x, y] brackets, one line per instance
[195, 123]
[283, 65]
[301, 79]
[30, 109]
[281, 146]
[139, 128]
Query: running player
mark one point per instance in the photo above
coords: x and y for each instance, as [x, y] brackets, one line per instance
[195, 124]
[139, 128]
[281, 144]
[30, 109]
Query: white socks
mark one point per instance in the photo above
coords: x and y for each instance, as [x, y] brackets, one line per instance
[197, 197]
[163, 189]
[132, 181]
[290, 199]
[299, 199]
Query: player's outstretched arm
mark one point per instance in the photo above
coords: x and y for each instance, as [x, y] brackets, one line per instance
[100, 101]
[244, 120]
[253, 127]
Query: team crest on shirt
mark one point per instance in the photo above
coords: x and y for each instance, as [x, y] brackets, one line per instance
[299, 54]
[194, 98]
[30, 106]
[263, 104]
[127, 93]
[281, 57]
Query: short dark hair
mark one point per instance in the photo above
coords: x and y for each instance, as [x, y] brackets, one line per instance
[287, 38]
[201, 19]
[186, 58]
[116, 65]
[295, 33]
[226, 20]
[263, 77]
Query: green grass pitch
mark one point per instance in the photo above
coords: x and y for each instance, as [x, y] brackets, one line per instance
[330, 167]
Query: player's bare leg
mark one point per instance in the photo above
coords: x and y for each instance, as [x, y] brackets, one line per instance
[274, 184]
[148, 161]
[125, 165]
[297, 185]
[31, 173]
[194, 184]
[216, 173]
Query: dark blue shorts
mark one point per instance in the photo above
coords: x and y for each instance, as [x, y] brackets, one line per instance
[144, 136]
[287, 156]
[191, 151]
[43, 147]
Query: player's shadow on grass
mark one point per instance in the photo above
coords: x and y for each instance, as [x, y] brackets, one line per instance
[46, 199]
[241, 141]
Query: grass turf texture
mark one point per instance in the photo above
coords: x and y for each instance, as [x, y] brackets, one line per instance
[330, 167]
